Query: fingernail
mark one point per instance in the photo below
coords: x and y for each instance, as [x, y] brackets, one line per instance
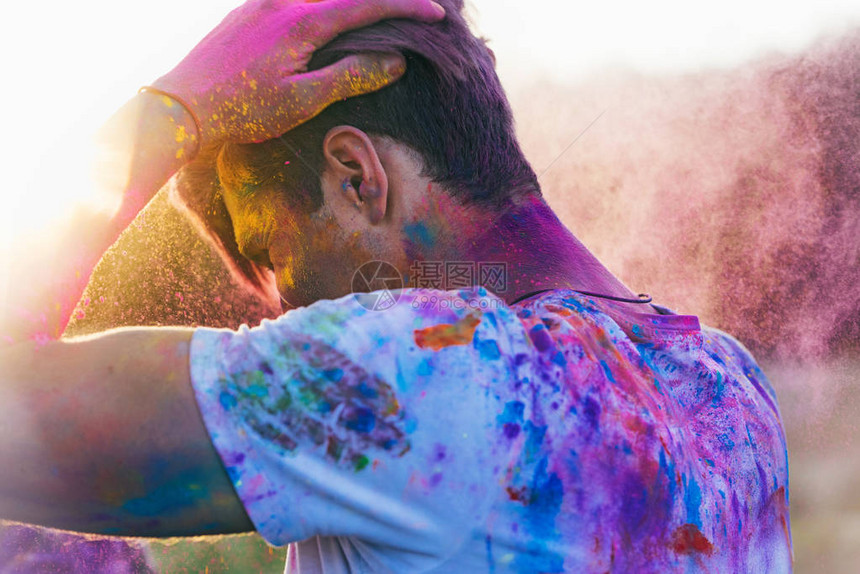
[394, 65]
[438, 8]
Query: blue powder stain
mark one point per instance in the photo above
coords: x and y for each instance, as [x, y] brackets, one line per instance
[491, 562]
[751, 439]
[693, 500]
[716, 358]
[333, 375]
[489, 349]
[669, 469]
[539, 516]
[233, 458]
[367, 391]
[726, 441]
[419, 234]
[559, 359]
[545, 502]
[512, 430]
[591, 411]
[227, 400]
[362, 420]
[513, 413]
[534, 441]
[540, 338]
[573, 465]
[425, 369]
[607, 371]
[257, 390]
[402, 382]
[324, 407]
[720, 388]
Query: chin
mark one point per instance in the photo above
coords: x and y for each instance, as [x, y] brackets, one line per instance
[290, 300]
[296, 298]
[307, 285]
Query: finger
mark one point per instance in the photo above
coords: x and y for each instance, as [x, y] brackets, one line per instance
[352, 76]
[334, 17]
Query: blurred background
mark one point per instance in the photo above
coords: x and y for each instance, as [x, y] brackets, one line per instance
[720, 173]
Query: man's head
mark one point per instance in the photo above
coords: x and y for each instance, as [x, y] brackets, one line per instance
[388, 176]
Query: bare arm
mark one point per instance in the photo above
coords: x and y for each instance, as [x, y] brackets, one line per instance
[103, 435]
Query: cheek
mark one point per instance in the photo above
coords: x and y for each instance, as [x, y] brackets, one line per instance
[308, 254]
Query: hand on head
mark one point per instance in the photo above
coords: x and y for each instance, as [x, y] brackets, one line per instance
[246, 81]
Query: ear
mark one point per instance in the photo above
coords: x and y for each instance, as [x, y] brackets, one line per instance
[352, 165]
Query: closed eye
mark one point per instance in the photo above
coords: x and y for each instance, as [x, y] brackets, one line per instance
[260, 257]
[256, 249]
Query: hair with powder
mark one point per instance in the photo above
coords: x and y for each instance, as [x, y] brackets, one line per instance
[449, 108]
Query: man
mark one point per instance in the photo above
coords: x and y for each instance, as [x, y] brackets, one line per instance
[542, 420]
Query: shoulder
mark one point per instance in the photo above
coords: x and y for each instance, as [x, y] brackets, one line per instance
[729, 351]
[417, 319]
[422, 336]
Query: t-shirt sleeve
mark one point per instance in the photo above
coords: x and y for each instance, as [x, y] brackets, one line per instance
[336, 420]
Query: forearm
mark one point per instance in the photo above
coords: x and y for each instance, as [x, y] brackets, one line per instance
[103, 435]
[143, 144]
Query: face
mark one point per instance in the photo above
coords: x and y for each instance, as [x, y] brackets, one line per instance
[370, 209]
[309, 253]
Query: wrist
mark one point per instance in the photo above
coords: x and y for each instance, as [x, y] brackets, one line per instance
[187, 131]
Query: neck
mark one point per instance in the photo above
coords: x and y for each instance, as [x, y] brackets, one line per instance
[538, 250]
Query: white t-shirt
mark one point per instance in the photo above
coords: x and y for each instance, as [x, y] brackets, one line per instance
[453, 433]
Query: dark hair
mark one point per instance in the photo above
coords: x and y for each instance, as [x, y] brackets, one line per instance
[449, 108]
